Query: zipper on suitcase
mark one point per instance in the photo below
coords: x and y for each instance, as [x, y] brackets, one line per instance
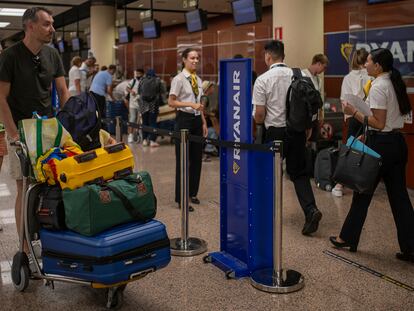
[139, 252]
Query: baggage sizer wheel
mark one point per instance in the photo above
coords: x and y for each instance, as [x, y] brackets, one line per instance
[207, 259]
[230, 275]
[115, 297]
[20, 271]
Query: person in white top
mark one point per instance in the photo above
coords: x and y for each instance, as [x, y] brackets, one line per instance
[269, 99]
[88, 70]
[319, 65]
[389, 102]
[353, 83]
[76, 79]
[185, 93]
[134, 101]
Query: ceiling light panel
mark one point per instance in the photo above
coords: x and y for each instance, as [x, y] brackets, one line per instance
[11, 12]
[4, 24]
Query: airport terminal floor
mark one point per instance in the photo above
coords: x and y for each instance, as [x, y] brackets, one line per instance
[188, 284]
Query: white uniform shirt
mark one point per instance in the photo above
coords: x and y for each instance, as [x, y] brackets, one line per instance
[382, 96]
[270, 90]
[75, 74]
[353, 83]
[181, 87]
[315, 80]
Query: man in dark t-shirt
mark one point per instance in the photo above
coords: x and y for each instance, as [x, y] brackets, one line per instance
[27, 70]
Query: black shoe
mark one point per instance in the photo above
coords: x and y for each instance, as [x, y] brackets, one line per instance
[194, 200]
[352, 248]
[405, 256]
[190, 208]
[312, 222]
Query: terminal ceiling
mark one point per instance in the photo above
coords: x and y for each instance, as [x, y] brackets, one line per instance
[60, 7]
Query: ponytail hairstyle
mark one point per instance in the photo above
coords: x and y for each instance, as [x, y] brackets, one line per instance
[185, 53]
[359, 58]
[385, 59]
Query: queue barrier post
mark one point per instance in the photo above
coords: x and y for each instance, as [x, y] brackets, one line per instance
[185, 246]
[277, 279]
[118, 129]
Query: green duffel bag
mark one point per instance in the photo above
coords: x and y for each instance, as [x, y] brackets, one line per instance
[94, 208]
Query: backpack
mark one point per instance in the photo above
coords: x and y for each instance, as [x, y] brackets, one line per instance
[149, 89]
[302, 102]
[80, 116]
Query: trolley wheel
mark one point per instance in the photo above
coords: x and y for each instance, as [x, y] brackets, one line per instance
[115, 297]
[207, 259]
[20, 271]
[24, 279]
[230, 275]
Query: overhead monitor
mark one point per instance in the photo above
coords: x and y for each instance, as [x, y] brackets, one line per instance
[61, 46]
[124, 34]
[151, 29]
[380, 1]
[76, 44]
[246, 11]
[196, 20]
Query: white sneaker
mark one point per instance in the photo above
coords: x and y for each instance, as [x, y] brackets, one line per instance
[154, 144]
[337, 192]
[130, 138]
[145, 142]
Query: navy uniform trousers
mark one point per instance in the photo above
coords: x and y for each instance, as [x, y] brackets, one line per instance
[393, 150]
[294, 145]
[194, 124]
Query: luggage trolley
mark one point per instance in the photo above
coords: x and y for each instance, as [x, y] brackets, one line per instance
[29, 232]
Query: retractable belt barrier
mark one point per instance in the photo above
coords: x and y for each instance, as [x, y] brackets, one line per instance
[275, 279]
[197, 139]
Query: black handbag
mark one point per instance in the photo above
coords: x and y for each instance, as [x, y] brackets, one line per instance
[51, 212]
[356, 169]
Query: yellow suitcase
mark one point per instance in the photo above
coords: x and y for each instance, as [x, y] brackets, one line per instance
[95, 166]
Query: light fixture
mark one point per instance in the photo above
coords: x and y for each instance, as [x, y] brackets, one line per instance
[4, 24]
[11, 12]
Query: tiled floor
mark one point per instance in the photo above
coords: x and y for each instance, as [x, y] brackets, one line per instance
[189, 284]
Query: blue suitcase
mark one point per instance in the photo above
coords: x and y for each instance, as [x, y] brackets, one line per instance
[116, 255]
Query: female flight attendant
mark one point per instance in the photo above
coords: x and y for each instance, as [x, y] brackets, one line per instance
[389, 103]
[185, 93]
[353, 83]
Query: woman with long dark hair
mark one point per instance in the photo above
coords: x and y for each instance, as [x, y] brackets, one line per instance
[389, 103]
[185, 93]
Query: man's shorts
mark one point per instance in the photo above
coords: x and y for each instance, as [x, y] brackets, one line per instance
[14, 168]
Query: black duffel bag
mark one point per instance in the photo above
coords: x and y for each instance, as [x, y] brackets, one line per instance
[50, 212]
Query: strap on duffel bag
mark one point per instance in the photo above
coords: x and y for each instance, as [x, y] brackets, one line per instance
[94, 208]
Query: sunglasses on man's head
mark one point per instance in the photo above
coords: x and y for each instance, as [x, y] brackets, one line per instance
[36, 61]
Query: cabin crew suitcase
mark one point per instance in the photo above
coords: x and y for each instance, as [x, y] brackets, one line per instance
[114, 256]
[325, 164]
[113, 161]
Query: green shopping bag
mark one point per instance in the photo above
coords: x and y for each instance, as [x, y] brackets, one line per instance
[94, 208]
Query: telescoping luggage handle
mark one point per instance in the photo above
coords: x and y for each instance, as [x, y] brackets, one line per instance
[125, 202]
[90, 155]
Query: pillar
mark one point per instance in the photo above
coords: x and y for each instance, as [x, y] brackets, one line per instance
[103, 15]
[302, 29]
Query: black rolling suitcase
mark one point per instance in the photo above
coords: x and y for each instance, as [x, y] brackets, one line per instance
[324, 167]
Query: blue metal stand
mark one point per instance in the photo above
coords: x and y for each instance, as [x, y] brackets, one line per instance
[246, 180]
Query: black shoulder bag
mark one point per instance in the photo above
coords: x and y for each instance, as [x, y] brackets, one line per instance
[356, 169]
